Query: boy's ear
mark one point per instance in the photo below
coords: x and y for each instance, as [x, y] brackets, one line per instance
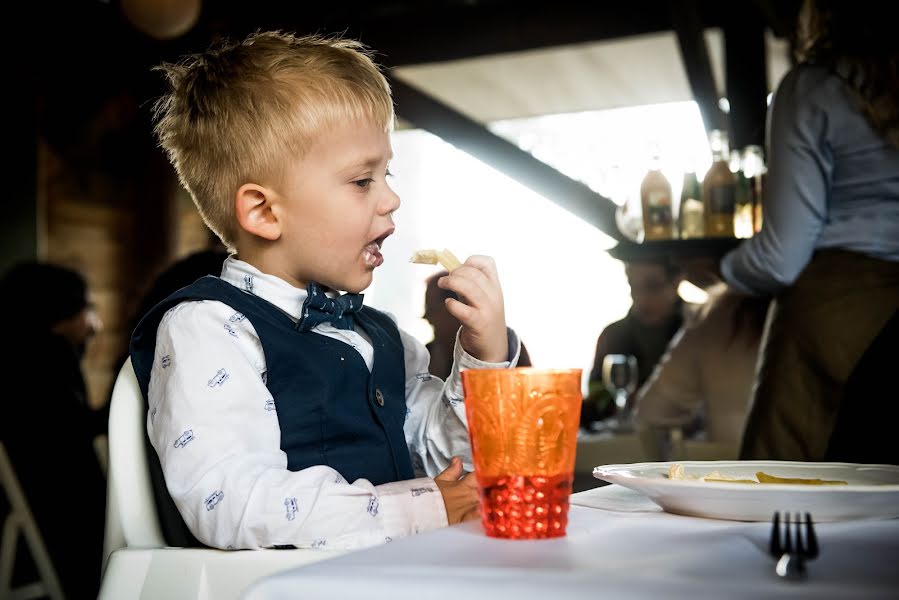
[256, 211]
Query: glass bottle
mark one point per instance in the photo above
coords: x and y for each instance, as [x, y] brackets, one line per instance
[691, 220]
[742, 204]
[755, 170]
[719, 189]
[655, 197]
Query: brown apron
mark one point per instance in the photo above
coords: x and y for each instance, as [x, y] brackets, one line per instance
[816, 333]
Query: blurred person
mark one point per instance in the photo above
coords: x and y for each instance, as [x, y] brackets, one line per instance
[703, 383]
[445, 327]
[181, 273]
[828, 250]
[47, 425]
[657, 313]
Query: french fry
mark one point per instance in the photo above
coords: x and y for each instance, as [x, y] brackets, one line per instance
[766, 478]
[677, 471]
[448, 260]
[431, 257]
[424, 257]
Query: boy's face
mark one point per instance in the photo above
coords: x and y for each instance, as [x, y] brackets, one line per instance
[337, 207]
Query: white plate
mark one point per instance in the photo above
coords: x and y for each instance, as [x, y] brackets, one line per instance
[872, 493]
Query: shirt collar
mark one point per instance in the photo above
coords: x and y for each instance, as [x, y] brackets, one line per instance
[275, 290]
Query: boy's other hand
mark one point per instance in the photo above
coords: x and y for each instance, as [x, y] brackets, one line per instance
[481, 311]
[460, 493]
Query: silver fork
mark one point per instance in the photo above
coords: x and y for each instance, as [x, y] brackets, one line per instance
[792, 549]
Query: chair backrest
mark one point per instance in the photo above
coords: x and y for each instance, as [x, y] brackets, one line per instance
[131, 515]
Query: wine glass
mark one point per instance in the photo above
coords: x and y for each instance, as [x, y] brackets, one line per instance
[619, 374]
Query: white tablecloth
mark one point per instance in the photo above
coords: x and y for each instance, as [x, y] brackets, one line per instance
[619, 545]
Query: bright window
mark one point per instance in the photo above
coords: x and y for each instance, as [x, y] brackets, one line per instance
[560, 286]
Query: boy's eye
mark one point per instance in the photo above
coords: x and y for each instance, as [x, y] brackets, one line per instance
[363, 183]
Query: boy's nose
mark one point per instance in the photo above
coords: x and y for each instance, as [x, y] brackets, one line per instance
[390, 202]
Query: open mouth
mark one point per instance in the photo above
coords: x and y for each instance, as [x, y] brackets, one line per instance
[372, 252]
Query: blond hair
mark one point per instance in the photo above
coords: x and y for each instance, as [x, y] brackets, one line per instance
[238, 113]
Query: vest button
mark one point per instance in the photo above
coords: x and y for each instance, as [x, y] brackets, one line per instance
[379, 397]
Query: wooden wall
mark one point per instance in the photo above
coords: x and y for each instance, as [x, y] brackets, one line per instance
[119, 229]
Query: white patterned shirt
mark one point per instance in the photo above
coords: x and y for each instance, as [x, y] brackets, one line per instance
[223, 463]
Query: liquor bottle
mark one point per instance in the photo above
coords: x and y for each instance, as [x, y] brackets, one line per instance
[719, 189]
[755, 170]
[655, 196]
[691, 220]
[742, 204]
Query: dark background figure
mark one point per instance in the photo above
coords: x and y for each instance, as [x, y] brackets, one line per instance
[656, 315]
[865, 430]
[177, 275]
[445, 328]
[46, 424]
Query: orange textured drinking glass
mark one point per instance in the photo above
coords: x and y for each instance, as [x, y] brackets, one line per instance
[523, 426]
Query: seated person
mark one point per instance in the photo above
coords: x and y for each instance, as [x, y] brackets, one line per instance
[708, 371]
[46, 422]
[283, 416]
[656, 315]
[446, 326]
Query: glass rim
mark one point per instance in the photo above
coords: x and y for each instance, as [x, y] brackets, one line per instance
[526, 370]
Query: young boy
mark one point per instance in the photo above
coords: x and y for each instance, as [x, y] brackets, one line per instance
[281, 415]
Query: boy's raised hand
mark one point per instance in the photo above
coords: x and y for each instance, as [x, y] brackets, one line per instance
[481, 312]
[460, 493]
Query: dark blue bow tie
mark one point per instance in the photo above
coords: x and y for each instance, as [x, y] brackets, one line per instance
[319, 308]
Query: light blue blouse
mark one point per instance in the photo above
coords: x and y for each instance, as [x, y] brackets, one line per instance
[833, 182]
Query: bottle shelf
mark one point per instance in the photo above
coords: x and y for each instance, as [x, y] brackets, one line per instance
[627, 250]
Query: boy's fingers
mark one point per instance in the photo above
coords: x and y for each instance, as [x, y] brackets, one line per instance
[452, 472]
[483, 263]
[461, 311]
[467, 283]
[471, 514]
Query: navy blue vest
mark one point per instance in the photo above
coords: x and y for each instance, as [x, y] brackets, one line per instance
[331, 410]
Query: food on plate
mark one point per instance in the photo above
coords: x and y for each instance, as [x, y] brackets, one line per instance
[765, 478]
[431, 257]
[677, 471]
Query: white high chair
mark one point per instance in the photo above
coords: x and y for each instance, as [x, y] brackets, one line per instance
[138, 563]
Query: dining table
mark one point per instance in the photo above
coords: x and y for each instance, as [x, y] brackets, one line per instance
[619, 544]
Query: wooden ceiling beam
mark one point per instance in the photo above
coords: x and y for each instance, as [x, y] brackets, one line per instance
[746, 76]
[407, 32]
[688, 26]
